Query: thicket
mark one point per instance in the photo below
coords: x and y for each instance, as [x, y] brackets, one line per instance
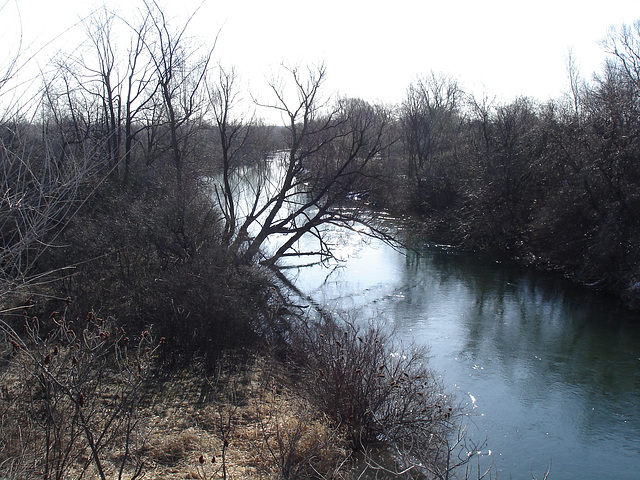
[70, 396]
[555, 185]
[382, 395]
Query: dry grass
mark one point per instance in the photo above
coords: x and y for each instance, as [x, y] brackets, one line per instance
[270, 433]
[252, 426]
[246, 420]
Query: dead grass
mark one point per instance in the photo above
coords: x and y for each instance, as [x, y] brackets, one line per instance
[270, 433]
[245, 420]
[253, 425]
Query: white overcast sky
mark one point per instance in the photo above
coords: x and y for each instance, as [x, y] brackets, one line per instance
[374, 49]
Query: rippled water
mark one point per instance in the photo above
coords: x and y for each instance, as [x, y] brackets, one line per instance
[549, 373]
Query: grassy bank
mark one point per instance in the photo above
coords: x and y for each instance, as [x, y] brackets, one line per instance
[339, 401]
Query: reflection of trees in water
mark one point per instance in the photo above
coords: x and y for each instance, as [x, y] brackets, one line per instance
[577, 342]
[551, 351]
[539, 333]
[521, 314]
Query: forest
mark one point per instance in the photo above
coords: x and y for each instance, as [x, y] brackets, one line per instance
[138, 267]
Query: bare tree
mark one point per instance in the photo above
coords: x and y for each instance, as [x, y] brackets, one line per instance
[431, 117]
[624, 44]
[109, 83]
[576, 83]
[175, 115]
[181, 84]
[329, 144]
[235, 134]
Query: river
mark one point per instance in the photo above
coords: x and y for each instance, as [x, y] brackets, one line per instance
[548, 373]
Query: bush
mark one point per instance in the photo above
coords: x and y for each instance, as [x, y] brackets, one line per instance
[384, 395]
[70, 398]
[139, 264]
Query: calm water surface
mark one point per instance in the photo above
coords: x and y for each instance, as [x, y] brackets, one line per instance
[549, 373]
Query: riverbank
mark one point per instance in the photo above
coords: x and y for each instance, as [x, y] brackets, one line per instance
[111, 406]
[447, 228]
[247, 423]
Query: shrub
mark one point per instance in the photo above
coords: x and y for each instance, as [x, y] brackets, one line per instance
[384, 395]
[70, 400]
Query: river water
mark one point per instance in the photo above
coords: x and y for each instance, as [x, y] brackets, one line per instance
[548, 373]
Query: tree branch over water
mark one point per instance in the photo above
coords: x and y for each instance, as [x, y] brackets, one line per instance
[301, 189]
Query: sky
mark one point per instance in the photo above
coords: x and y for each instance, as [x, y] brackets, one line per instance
[373, 49]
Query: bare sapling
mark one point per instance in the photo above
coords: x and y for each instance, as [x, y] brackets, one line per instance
[71, 395]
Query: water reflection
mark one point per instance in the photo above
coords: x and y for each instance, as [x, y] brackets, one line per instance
[554, 372]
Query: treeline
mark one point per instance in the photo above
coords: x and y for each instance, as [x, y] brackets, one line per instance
[555, 185]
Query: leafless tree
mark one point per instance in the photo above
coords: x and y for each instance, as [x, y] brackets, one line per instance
[180, 72]
[235, 134]
[431, 117]
[122, 78]
[329, 144]
[624, 44]
[575, 82]
[431, 102]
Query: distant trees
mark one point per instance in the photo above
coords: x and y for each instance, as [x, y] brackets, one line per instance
[431, 117]
[586, 220]
[623, 43]
[503, 185]
[554, 184]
